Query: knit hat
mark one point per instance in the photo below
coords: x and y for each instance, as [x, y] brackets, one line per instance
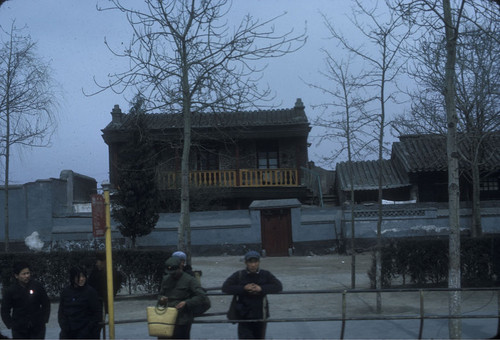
[180, 255]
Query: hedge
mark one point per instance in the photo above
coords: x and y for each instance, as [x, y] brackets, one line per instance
[141, 270]
[424, 262]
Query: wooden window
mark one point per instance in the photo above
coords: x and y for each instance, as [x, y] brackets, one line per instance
[489, 184]
[267, 156]
[207, 160]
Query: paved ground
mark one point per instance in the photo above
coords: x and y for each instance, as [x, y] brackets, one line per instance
[312, 273]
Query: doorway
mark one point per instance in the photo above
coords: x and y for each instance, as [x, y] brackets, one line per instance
[276, 231]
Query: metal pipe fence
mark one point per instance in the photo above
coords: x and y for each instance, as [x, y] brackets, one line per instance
[343, 316]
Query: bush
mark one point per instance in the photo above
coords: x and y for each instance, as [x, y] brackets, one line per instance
[425, 261]
[143, 270]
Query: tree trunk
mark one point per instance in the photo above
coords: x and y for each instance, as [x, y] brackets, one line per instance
[454, 325]
[184, 232]
[6, 182]
[476, 228]
[380, 191]
[6, 206]
[353, 253]
[378, 253]
[184, 218]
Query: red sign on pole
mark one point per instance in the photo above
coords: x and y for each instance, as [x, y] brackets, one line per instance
[98, 216]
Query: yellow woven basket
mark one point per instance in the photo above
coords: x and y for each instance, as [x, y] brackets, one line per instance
[161, 321]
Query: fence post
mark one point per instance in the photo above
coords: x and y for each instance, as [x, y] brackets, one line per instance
[498, 307]
[422, 314]
[344, 293]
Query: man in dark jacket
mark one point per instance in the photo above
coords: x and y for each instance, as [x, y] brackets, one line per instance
[182, 291]
[99, 281]
[251, 287]
[80, 309]
[25, 305]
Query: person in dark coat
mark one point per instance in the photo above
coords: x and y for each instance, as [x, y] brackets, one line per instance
[98, 280]
[25, 305]
[185, 267]
[251, 286]
[182, 291]
[80, 309]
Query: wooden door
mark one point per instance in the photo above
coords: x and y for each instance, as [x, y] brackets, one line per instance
[276, 231]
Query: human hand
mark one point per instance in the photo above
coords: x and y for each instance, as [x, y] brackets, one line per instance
[181, 305]
[252, 288]
[163, 300]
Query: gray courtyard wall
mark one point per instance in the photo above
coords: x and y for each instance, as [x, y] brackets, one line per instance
[46, 206]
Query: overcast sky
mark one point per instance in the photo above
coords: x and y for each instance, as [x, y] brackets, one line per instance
[70, 35]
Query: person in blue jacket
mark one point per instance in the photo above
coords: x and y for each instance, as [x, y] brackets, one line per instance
[251, 286]
[25, 305]
[80, 309]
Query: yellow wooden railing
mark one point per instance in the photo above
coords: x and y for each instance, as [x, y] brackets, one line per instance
[268, 177]
[232, 178]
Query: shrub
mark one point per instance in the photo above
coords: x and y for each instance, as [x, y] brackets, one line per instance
[425, 261]
[143, 270]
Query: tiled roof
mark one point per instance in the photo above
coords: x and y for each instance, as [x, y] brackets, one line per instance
[421, 152]
[365, 175]
[281, 117]
[428, 152]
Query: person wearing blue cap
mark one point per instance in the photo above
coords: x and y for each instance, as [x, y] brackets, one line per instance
[185, 267]
[250, 286]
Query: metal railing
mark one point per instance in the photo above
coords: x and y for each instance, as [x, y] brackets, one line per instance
[343, 316]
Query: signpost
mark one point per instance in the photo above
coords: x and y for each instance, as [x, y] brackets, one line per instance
[101, 227]
[109, 260]
[98, 216]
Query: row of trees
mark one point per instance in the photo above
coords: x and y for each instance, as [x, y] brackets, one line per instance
[452, 58]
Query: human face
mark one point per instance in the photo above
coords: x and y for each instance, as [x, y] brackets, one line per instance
[24, 276]
[175, 272]
[253, 265]
[80, 280]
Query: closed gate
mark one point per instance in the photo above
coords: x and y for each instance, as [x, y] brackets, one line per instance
[276, 231]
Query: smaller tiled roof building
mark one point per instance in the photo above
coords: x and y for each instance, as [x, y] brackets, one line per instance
[365, 181]
[418, 171]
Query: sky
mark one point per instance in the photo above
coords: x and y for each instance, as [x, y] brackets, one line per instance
[70, 36]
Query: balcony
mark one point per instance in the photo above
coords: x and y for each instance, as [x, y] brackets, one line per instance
[232, 178]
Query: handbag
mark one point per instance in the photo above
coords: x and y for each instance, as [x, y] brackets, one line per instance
[161, 321]
[232, 313]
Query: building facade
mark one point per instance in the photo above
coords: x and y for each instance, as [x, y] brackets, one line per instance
[235, 157]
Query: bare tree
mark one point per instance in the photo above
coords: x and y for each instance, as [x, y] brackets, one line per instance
[27, 102]
[478, 98]
[446, 17]
[185, 57]
[385, 36]
[343, 119]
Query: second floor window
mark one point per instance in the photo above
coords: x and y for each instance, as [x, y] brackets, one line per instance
[207, 160]
[267, 156]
